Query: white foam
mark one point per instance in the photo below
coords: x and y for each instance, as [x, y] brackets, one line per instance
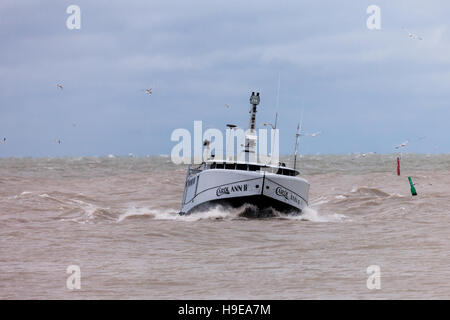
[19, 195]
[220, 213]
[319, 201]
[217, 212]
[133, 212]
[313, 215]
[213, 213]
[89, 211]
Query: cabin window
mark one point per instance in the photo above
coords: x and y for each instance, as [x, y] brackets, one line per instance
[220, 166]
[241, 166]
[229, 166]
[252, 167]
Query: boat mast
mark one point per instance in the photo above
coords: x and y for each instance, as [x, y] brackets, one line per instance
[230, 128]
[254, 101]
[250, 143]
[297, 136]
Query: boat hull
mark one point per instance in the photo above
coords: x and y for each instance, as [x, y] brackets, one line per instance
[258, 206]
[266, 193]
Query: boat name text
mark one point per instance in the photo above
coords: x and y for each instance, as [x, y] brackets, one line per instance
[227, 190]
[287, 195]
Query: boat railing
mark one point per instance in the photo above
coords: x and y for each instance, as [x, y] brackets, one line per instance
[194, 170]
[281, 170]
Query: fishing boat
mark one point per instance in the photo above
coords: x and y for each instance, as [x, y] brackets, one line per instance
[262, 189]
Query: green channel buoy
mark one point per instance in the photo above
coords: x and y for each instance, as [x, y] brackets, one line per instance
[413, 189]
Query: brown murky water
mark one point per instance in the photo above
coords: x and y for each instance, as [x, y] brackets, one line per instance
[116, 218]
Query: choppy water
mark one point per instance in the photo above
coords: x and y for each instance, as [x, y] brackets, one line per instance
[117, 219]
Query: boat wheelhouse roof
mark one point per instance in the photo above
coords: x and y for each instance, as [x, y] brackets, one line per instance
[250, 166]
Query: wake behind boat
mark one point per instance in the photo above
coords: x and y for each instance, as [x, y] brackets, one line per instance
[263, 187]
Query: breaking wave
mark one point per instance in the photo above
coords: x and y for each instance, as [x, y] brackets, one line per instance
[366, 191]
[213, 213]
[310, 214]
[219, 212]
[82, 209]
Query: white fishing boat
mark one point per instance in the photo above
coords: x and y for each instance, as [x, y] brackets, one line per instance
[266, 188]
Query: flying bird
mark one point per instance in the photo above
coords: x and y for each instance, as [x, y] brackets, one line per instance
[403, 144]
[413, 36]
[227, 106]
[269, 124]
[313, 135]
[148, 91]
[367, 154]
[3, 141]
[59, 86]
[58, 141]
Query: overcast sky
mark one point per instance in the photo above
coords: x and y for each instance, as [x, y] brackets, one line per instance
[365, 90]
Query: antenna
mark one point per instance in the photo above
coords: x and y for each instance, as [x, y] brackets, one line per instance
[278, 101]
[276, 116]
[297, 136]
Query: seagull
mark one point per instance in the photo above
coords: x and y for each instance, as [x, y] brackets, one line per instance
[148, 91]
[413, 36]
[403, 144]
[227, 106]
[368, 153]
[58, 141]
[59, 86]
[3, 141]
[269, 124]
[313, 135]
